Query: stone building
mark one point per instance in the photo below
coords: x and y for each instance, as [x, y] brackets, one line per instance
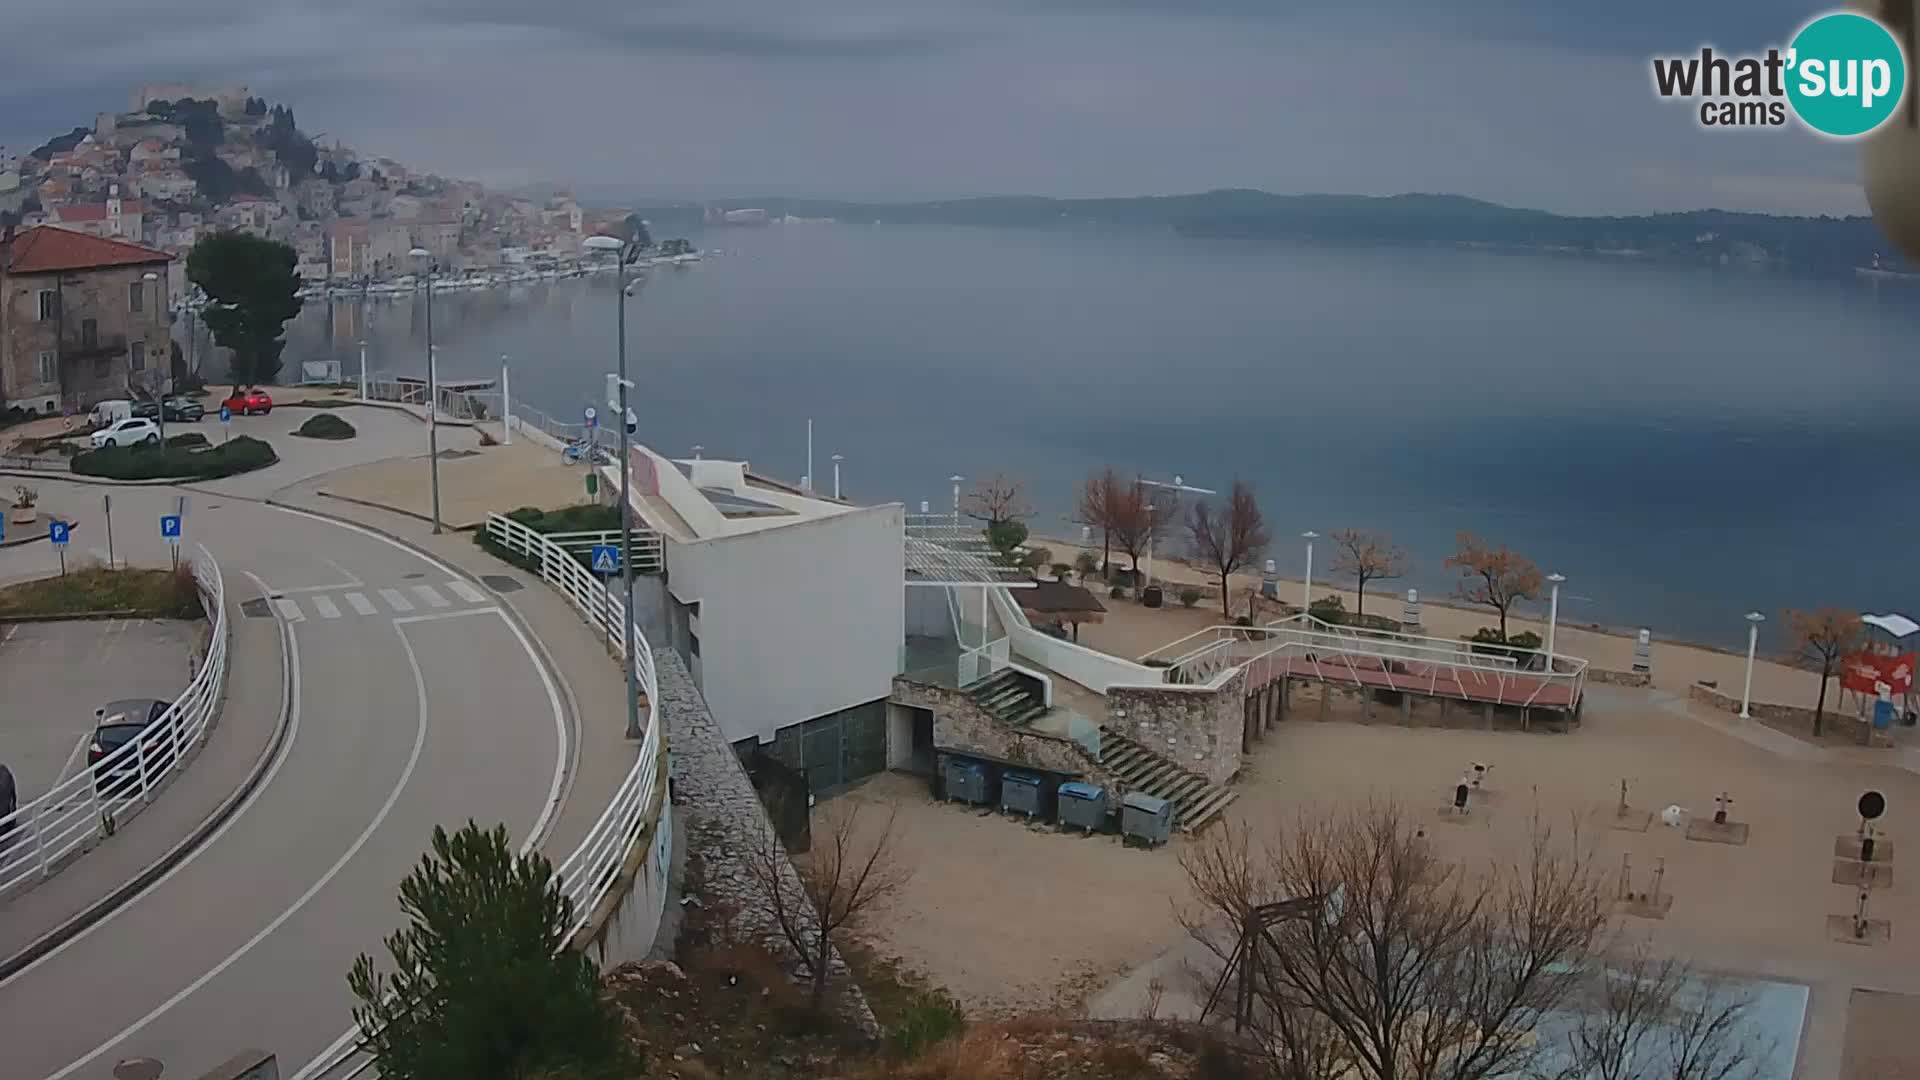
[80, 317]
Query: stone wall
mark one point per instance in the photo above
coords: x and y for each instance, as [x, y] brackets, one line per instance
[961, 725]
[725, 821]
[1621, 678]
[1198, 730]
[1708, 695]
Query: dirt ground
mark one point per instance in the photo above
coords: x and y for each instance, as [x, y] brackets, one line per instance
[1008, 917]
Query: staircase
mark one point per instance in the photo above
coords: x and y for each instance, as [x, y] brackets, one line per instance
[1196, 800]
[1009, 697]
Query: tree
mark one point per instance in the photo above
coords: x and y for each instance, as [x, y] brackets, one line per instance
[1495, 577]
[256, 107]
[1823, 637]
[997, 500]
[1651, 1018]
[1139, 515]
[1095, 508]
[1367, 556]
[1228, 539]
[637, 233]
[1005, 538]
[843, 879]
[252, 285]
[483, 985]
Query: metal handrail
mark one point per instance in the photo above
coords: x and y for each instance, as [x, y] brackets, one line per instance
[648, 548]
[91, 804]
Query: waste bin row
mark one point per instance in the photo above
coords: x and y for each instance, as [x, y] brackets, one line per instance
[1070, 803]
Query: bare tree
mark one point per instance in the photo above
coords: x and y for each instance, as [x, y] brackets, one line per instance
[843, 877]
[1140, 516]
[1095, 508]
[997, 500]
[1403, 967]
[1367, 556]
[1495, 577]
[1228, 539]
[1653, 1018]
[1823, 637]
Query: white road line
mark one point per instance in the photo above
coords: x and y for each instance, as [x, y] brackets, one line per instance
[395, 600]
[324, 605]
[361, 604]
[289, 610]
[442, 616]
[466, 592]
[406, 774]
[433, 598]
[344, 572]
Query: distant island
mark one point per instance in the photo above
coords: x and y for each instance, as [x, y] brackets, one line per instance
[1818, 245]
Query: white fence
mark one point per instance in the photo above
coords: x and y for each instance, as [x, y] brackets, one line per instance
[587, 875]
[647, 550]
[38, 837]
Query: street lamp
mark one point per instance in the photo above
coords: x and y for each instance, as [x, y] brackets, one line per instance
[433, 390]
[1146, 558]
[1553, 616]
[1306, 585]
[956, 479]
[159, 398]
[624, 253]
[363, 368]
[837, 459]
[1754, 619]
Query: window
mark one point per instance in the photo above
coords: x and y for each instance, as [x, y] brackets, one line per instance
[137, 296]
[49, 369]
[49, 305]
[137, 356]
[89, 334]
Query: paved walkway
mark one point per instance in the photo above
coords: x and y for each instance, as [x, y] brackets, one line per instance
[473, 481]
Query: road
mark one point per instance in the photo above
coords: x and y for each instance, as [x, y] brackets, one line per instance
[413, 701]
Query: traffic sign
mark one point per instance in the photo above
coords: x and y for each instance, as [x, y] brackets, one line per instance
[170, 528]
[593, 417]
[226, 415]
[57, 532]
[606, 559]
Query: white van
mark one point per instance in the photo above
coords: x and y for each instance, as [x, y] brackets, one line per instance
[111, 412]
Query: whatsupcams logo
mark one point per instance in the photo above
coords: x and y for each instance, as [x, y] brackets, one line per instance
[1843, 75]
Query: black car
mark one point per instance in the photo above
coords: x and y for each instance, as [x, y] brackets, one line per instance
[183, 409]
[146, 409]
[115, 726]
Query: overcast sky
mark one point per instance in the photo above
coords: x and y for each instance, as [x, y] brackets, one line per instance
[1525, 102]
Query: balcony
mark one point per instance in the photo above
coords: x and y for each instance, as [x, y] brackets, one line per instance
[75, 345]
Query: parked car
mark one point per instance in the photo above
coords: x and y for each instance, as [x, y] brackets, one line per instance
[146, 409]
[128, 432]
[248, 402]
[106, 413]
[116, 724]
[185, 409]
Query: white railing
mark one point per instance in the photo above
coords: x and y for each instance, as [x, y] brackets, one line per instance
[588, 874]
[88, 806]
[1094, 670]
[648, 552]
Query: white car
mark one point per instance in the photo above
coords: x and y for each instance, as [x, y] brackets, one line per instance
[129, 432]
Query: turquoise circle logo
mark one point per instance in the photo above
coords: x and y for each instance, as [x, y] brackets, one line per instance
[1847, 74]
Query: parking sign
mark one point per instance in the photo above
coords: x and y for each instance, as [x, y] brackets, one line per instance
[170, 528]
[57, 532]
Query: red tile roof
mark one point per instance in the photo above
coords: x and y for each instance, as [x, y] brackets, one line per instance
[48, 249]
[94, 211]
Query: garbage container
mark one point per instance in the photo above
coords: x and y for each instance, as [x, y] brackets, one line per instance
[1146, 818]
[967, 781]
[1151, 596]
[1083, 806]
[1023, 793]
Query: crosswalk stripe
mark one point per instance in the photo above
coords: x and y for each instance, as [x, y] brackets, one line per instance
[289, 610]
[466, 592]
[396, 601]
[433, 598]
[324, 605]
[361, 604]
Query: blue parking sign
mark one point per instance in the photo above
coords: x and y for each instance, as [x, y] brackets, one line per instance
[170, 528]
[606, 559]
[57, 532]
[226, 415]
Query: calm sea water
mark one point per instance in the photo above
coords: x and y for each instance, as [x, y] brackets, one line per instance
[1684, 444]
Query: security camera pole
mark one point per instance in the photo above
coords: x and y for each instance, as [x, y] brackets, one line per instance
[625, 252]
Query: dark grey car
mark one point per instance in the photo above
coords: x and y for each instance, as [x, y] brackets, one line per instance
[115, 725]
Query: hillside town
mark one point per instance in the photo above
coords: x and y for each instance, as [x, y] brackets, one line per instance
[185, 161]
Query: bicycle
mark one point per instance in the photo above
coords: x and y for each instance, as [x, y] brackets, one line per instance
[582, 449]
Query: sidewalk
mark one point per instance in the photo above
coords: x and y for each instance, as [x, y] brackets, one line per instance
[483, 479]
[236, 749]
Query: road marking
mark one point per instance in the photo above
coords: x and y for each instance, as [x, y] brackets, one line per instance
[324, 605]
[433, 598]
[442, 616]
[344, 572]
[466, 592]
[395, 600]
[289, 610]
[406, 775]
[361, 604]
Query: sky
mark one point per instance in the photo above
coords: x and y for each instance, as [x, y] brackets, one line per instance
[1524, 102]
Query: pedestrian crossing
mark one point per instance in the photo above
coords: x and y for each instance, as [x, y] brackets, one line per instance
[352, 603]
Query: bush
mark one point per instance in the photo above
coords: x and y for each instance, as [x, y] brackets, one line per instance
[1189, 596]
[1329, 609]
[1086, 564]
[931, 1017]
[1061, 570]
[1118, 592]
[191, 438]
[325, 426]
[241, 454]
[1488, 642]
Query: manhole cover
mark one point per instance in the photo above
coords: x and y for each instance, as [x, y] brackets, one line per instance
[255, 609]
[500, 583]
[412, 576]
[138, 1069]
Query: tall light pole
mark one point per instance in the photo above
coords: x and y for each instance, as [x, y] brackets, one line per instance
[433, 390]
[956, 480]
[1306, 584]
[1553, 615]
[837, 459]
[1754, 619]
[1179, 484]
[363, 369]
[164, 373]
[506, 404]
[625, 252]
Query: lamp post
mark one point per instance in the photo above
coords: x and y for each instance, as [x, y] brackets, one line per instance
[1179, 484]
[363, 369]
[433, 390]
[506, 404]
[956, 480]
[624, 253]
[1306, 585]
[1754, 619]
[837, 459]
[160, 397]
[1553, 616]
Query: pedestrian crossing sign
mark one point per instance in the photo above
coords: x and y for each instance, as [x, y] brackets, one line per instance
[606, 559]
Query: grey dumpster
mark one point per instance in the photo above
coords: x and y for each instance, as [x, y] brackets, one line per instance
[1083, 806]
[967, 781]
[1146, 818]
[1023, 793]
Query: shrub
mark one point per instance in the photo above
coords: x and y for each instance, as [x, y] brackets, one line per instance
[241, 454]
[1061, 570]
[191, 438]
[325, 426]
[1086, 564]
[929, 1018]
[1118, 592]
[1329, 609]
[1189, 596]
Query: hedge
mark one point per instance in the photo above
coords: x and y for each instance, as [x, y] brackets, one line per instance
[241, 454]
[326, 426]
[191, 438]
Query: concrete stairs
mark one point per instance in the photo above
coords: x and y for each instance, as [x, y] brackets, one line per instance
[1196, 800]
[1010, 697]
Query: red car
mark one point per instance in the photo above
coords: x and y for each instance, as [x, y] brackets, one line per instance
[248, 402]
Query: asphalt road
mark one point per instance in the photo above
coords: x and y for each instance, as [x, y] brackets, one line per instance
[414, 702]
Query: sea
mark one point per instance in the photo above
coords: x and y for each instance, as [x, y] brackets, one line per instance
[1684, 443]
